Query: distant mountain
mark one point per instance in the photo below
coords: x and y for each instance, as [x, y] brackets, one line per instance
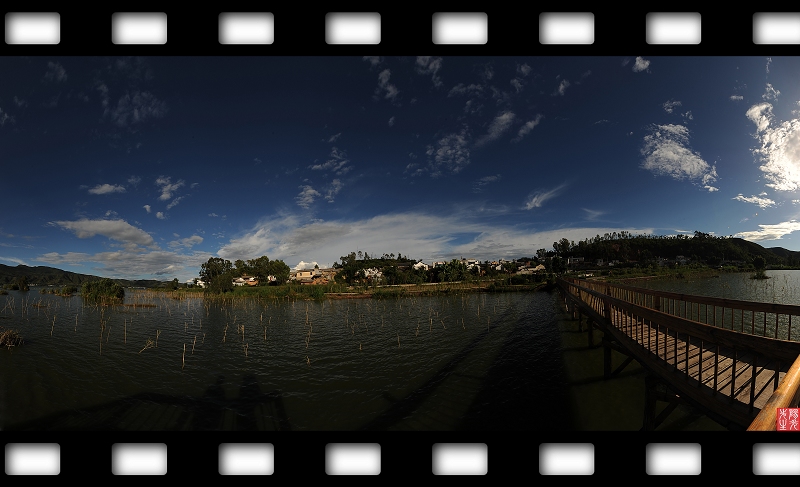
[789, 255]
[46, 276]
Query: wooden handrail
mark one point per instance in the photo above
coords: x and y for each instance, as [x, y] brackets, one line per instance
[787, 395]
[770, 347]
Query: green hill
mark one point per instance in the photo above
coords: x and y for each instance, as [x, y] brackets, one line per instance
[50, 276]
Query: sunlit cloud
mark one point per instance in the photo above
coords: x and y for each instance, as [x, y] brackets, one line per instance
[641, 64]
[666, 152]
[780, 147]
[118, 230]
[770, 232]
[756, 200]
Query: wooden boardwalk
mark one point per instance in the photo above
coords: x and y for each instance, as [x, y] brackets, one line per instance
[730, 374]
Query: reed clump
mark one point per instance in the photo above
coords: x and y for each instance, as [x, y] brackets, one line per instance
[10, 338]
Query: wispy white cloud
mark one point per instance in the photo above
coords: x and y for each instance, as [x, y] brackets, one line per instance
[501, 123]
[160, 215]
[517, 84]
[430, 65]
[561, 88]
[450, 154]
[175, 202]
[523, 69]
[55, 72]
[770, 232]
[137, 107]
[666, 152]
[428, 237]
[737, 98]
[593, 214]
[5, 117]
[133, 265]
[641, 64]
[334, 138]
[167, 187]
[391, 122]
[118, 230]
[477, 186]
[338, 163]
[14, 260]
[373, 60]
[107, 189]
[188, 242]
[770, 93]
[306, 196]
[756, 200]
[780, 147]
[134, 180]
[527, 127]
[469, 90]
[389, 90]
[669, 106]
[333, 189]
[147, 208]
[538, 198]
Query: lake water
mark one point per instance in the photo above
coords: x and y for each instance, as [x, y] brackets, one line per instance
[461, 362]
[782, 287]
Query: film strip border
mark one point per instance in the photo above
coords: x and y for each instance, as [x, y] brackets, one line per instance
[298, 456]
[309, 31]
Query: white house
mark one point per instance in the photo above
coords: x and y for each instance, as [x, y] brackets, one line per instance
[420, 266]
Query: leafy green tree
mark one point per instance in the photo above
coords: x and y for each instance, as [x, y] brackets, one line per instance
[175, 284]
[218, 274]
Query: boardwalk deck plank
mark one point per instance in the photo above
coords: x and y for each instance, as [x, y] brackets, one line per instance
[705, 366]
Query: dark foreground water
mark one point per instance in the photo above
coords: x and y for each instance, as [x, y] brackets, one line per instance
[462, 362]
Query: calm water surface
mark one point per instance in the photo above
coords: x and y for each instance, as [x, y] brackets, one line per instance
[463, 362]
[782, 287]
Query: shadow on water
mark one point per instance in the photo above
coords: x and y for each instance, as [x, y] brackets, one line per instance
[523, 390]
[252, 410]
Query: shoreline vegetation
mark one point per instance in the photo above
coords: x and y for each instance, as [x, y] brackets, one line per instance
[343, 291]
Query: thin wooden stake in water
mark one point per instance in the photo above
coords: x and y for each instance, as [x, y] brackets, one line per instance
[183, 357]
[398, 339]
[195, 341]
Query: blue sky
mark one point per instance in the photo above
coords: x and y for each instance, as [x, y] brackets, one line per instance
[146, 167]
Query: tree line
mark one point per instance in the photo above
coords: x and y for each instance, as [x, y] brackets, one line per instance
[218, 274]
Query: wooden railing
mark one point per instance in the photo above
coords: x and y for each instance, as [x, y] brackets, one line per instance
[787, 395]
[689, 343]
[779, 321]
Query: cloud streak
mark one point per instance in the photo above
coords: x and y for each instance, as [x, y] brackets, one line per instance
[537, 199]
[118, 230]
